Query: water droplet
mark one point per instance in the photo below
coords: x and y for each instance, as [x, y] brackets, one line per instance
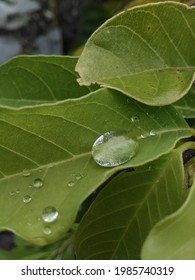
[38, 183]
[27, 199]
[134, 119]
[49, 214]
[151, 167]
[78, 176]
[71, 183]
[17, 191]
[142, 135]
[47, 230]
[12, 193]
[26, 173]
[114, 148]
[152, 133]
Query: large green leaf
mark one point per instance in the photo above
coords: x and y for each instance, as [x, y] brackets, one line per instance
[121, 217]
[54, 143]
[186, 106]
[174, 237]
[143, 53]
[32, 80]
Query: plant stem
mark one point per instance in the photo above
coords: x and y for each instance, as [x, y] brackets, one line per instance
[186, 146]
[193, 131]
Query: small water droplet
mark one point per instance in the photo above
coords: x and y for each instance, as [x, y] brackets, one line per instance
[12, 193]
[49, 214]
[114, 148]
[17, 191]
[143, 136]
[78, 176]
[134, 119]
[151, 167]
[152, 133]
[47, 230]
[71, 183]
[27, 199]
[26, 173]
[38, 183]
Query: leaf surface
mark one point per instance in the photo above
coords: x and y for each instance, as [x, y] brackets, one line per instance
[32, 80]
[142, 53]
[121, 217]
[53, 143]
[173, 238]
[186, 105]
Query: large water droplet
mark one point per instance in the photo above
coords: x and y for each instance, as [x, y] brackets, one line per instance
[38, 183]
[134, 119]
[27, 199]
[114, 148]
[26, 173]
[47, 230]
[49, 214]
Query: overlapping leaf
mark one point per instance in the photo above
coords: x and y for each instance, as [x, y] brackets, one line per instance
[186, 106]
[174, 237]
[32, 80]
[53, 142]
[118, 222]
[143, 53]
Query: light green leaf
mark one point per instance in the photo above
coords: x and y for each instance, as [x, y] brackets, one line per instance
[186, 105]
[174, 237]
[121, 217]
[32, 80]
[54, 143]
[142, 53]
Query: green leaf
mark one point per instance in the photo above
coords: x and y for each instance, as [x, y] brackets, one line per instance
[174, 237]
[142, 53]
[53, 143]
[121, 217]
[32, 80]
[186, 105]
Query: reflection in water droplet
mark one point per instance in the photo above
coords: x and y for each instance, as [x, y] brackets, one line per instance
[134, 119]
[114, 148]
[26, 173]
[49, 214]
[47, 230]
[38, 183]
[27, 199]
[152, 133]
[71, 183]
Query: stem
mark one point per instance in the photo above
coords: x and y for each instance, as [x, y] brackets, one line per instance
[193, 131]
[186, 146]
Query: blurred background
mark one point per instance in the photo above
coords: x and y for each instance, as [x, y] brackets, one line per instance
[50, 26]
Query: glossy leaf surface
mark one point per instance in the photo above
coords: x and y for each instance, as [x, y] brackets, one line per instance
[186, 105]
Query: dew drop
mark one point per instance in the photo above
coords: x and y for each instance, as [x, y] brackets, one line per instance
[134, 119]
[26, 173]
[152, 133]
[47, 230]
[49, 214]
[38, 183]
[114, 148]
[142, 136]
[27, 199]
[78, 176]
[12, 193]
[17, 191]
[71, 183]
